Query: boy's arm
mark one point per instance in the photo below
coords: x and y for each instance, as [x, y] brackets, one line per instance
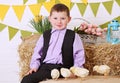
[78, 52]
[35, 60]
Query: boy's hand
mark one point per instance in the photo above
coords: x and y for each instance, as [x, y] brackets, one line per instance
[31, 71]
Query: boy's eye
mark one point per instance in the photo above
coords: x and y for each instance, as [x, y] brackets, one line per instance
[62, 18]
[55, 18]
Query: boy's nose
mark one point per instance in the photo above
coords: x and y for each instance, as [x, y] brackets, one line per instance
[59, 21]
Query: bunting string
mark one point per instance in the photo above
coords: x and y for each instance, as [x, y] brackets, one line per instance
[12, 31]
[35, 10]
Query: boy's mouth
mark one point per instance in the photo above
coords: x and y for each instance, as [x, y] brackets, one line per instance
[59, 25]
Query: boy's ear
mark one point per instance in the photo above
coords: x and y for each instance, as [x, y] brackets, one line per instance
[69, 19]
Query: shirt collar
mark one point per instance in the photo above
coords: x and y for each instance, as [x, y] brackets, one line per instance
[58, 30]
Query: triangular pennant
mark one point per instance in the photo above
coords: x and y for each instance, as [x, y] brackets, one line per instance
[94, 7]
[106, 24]
[108, 5]
[19, 10]
[36, 33]
[12, 32]
[48, 5]
[35, 9]
[57, 1]
[24, 1]
[118, 18]
[40, 1]
[71, 5]
[3, 11]
[118, 1]
[2, 26]
[85, 1]
[25, 33]
[66, 2]
[82, 8]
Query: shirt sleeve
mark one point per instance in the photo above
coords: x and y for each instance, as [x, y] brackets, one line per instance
[35, 60]
[78, 50]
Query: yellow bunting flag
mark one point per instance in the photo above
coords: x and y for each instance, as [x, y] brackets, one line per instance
[57, 1]
[94, 7]
[118, 1]
[106, 24]
[48, 5]
[40, 1]
[82, 8]
[3, 11]
[19, 10]
[12, 32]
[2, 26]
[71, 5]
[85, 1]
[108, 5]
[24, 1]
[35, 9]
[25, 33]
[66, 2]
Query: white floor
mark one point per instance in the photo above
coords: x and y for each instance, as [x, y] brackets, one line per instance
[9, 68]
[9, 73]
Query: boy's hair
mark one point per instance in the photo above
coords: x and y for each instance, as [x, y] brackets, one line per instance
[60, 8]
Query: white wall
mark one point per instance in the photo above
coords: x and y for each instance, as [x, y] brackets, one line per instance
[9, 68]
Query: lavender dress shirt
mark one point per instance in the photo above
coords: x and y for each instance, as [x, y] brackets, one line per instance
[54, 54]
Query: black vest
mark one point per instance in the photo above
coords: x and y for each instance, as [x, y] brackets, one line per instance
[67, 47]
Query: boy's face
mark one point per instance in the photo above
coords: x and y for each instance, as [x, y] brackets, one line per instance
[59, 20]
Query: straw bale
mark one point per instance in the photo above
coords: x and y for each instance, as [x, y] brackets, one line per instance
[96, 54]
[25, 51]
[104, 53]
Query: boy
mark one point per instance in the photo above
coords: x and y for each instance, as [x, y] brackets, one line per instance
[56, 48]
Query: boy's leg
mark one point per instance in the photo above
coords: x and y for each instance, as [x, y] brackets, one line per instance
[42, 74]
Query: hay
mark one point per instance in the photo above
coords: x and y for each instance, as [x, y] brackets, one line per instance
[96, 54]
[103, 54]
[25, 51]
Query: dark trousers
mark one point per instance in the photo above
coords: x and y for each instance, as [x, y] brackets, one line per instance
[43, 73]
